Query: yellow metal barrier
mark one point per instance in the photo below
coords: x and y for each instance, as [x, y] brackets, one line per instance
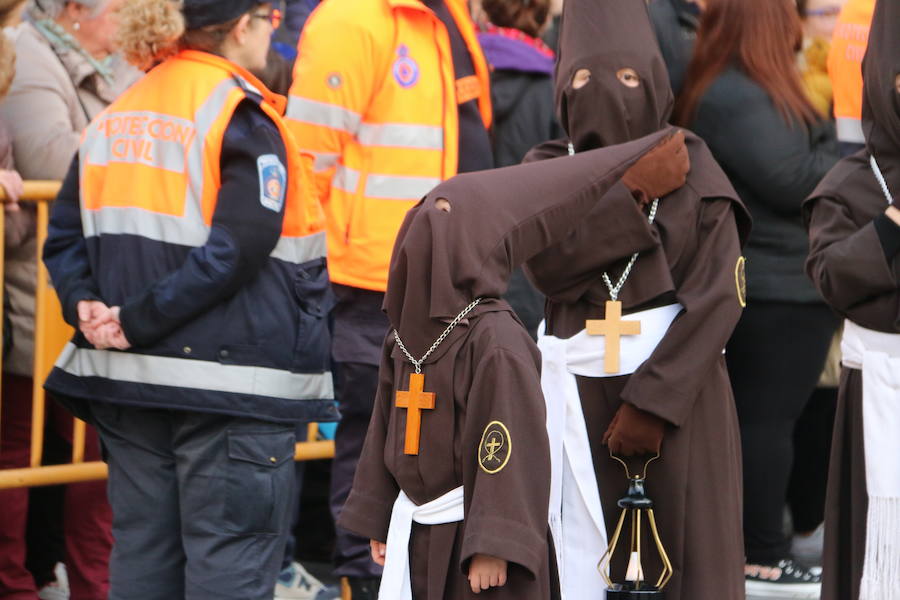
[51, 335]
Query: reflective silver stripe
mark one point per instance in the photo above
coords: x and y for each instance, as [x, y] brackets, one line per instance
[322, 113]
[402, 135]
[298, 250]
[850, 130]
[130, 220]
[323, 160]
[345, 179]
[195, 374]
[399, 188]
[140, 137]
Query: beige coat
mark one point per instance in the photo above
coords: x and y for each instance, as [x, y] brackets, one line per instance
[52, 99]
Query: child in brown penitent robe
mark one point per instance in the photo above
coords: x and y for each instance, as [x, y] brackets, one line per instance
[453, 484]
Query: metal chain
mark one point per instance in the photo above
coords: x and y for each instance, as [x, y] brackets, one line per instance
[615, 289]
[418, 363]
[880, 178]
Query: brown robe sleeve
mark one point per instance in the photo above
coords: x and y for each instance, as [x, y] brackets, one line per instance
[669, 381]
[614, 229]
[367, 511]
[847, 265]
[507, 510]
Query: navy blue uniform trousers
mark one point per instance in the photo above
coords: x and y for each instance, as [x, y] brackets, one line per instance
[201, 502]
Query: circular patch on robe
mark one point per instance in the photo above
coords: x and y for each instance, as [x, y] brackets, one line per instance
[495, 448]
[740, 280]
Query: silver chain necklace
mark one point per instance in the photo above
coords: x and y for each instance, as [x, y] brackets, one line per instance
[884, 186]
[615, 289]
[418, 363]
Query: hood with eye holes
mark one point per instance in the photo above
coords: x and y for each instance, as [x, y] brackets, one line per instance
[498, 219]
[605, 37]
[881, 100]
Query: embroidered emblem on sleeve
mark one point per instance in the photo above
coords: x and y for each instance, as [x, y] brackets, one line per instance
[740, 280]
[405, 69]
[272, 182]
[495, 448]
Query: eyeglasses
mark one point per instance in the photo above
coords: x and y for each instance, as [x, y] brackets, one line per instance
[273, 17]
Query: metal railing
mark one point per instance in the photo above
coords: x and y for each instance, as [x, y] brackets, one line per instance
[51, 335]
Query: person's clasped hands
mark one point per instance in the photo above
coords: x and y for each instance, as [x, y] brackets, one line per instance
[100, 325]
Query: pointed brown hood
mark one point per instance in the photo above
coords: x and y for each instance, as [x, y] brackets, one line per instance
[612, 39]
[881, 100]
[498, 220]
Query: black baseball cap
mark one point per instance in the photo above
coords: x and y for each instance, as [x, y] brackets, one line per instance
[201, 13]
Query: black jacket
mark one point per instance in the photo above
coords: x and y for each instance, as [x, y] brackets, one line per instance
[774, 166]
[675, 23]
[524, 114]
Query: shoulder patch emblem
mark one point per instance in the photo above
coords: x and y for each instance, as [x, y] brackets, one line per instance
[405, 69]
[740, 280]
[495, 448]
[272, 182]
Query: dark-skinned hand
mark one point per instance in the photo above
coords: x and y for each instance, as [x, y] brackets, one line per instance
[661, 171]
[634, 432]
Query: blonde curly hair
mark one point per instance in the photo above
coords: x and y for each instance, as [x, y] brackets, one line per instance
[150, 31]
[7, 64]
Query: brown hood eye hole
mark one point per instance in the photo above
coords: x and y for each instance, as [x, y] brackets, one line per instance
[581, 78]
[628, 77]
[897, 83]
[442, 204]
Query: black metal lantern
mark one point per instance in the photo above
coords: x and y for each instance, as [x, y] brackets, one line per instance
[636, 507]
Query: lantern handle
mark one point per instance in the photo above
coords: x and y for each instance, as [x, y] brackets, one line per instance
[625, 466]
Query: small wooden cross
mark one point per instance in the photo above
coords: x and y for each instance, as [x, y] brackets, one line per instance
[414, 401]
[613, 328]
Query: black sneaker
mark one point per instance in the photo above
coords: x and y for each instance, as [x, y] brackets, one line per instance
[793, 581]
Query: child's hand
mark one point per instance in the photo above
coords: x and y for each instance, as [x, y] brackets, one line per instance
[486, 572]
[379, 550]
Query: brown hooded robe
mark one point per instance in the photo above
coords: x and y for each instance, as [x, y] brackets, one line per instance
[486, 371]
[690, 255]
[849, 267]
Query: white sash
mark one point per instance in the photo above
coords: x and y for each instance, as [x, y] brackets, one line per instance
[395, 583]
[877, 354]
[576, 516]
[584, 353]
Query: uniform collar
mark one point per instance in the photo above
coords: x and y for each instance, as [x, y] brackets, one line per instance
[247, 79]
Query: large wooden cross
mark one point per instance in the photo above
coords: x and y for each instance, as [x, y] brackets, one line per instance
[414, 401]
[613, 328]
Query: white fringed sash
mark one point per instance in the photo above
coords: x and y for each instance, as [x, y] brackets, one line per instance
[877, 354]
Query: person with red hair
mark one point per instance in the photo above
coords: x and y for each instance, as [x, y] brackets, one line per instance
[743, 94]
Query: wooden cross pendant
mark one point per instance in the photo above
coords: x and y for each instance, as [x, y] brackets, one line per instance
[613, 328]
[414, 401]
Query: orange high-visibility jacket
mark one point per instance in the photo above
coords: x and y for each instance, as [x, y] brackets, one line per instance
[848, 47]
[375, 100]
[150, 179]
[151, 159]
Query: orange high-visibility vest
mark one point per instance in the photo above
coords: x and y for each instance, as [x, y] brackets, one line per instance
[375, 100]
[848, 47]
[150, 162]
